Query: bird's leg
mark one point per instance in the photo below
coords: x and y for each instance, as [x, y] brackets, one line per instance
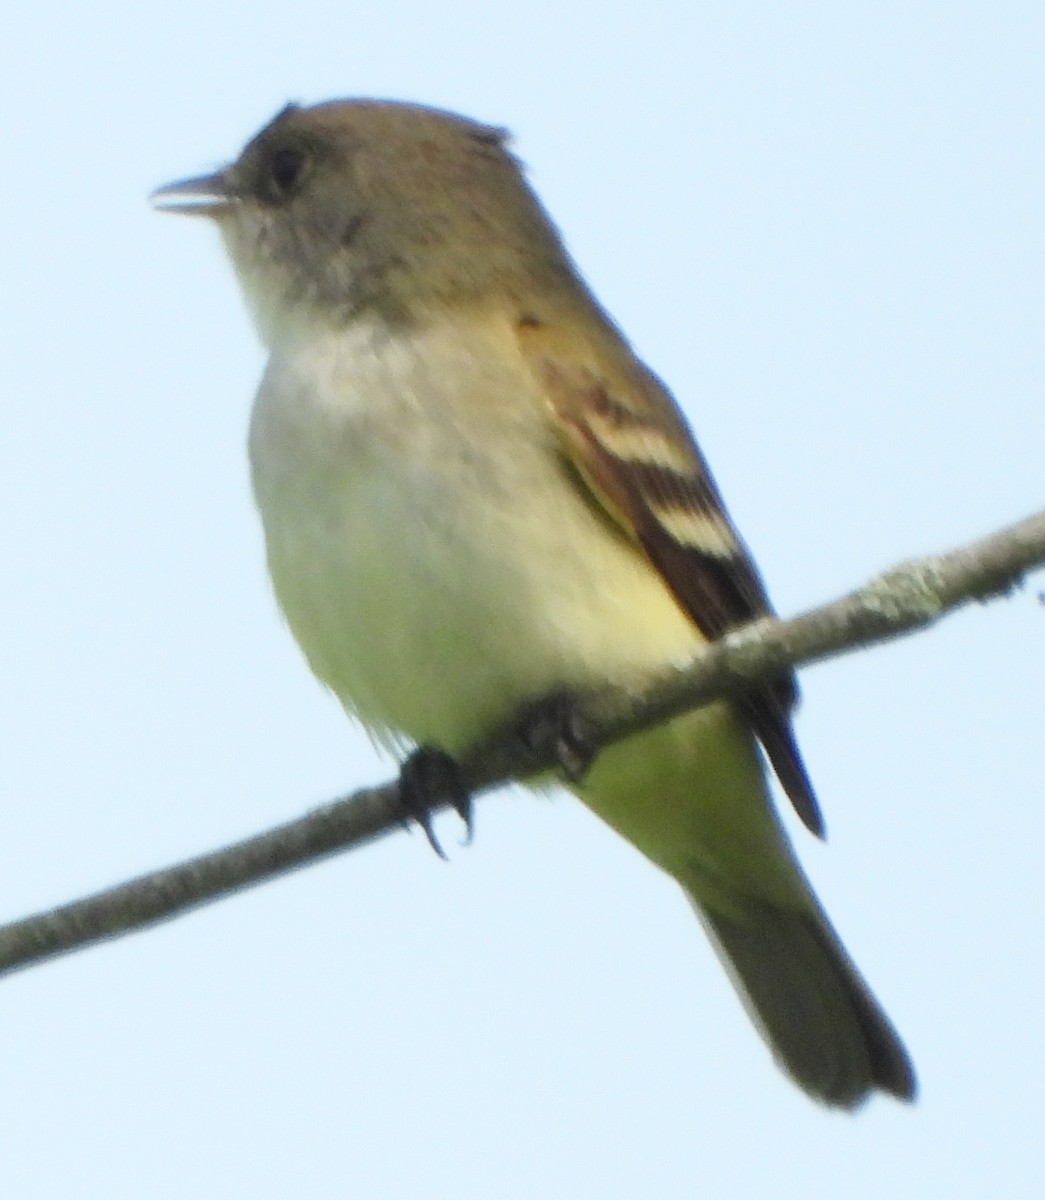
[428, 779]
[553, 727]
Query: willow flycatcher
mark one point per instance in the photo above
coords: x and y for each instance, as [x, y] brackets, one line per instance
[475, 496]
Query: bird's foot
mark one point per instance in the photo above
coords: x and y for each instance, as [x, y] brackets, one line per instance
[554, 728]
[430, 779]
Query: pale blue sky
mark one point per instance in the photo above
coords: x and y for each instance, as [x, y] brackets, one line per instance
[822, 225]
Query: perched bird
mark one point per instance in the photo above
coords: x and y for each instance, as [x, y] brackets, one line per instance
[475, 497]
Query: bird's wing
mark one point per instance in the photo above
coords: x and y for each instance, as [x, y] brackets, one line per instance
[627, 440]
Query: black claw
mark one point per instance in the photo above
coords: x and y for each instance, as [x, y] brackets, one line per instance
[554, 727]
[428, 779]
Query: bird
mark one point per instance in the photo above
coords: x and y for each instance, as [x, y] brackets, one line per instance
[476, 499]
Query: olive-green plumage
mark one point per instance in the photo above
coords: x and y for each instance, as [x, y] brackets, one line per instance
[475, 496]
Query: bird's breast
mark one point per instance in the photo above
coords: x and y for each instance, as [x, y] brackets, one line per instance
[436, 560]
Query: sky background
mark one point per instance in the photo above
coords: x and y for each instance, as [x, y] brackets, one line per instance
[823, 225]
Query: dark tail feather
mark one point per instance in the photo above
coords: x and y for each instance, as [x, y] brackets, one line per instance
[810, 1003]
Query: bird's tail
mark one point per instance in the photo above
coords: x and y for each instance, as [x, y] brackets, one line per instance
[809, 1002]
[692, 796]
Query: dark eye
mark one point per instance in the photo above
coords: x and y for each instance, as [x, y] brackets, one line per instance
[286, 168]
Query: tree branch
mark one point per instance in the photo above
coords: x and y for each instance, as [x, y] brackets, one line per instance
[906, 598]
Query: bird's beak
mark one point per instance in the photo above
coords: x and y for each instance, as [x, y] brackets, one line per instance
[203, 196]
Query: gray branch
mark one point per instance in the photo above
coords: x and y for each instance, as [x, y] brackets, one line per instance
[909, 597]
